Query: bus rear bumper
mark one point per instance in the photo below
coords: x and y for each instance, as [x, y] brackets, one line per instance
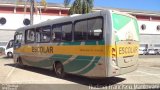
[122, 70]
[128, 69]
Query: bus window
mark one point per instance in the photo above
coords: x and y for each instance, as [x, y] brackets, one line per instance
[80, 32]
[95, 29]
[17, 40]
[30, 36]
[56, 33]
[43, 34]
[67, 32]
[38, 36]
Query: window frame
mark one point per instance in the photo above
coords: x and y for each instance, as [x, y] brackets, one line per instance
[99, 17]
[26, 41]
[67, 23]
[60, 25]
[40, 37]
[85, 19]
[18, 34]
[21, 41]
[87, 27]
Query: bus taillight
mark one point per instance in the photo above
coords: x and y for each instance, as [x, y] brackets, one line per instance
[113, 50]
[114, 55]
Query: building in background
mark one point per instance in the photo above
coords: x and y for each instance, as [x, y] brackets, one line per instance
[13, 16]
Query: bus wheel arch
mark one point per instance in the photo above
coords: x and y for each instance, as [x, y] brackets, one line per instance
[59, 69]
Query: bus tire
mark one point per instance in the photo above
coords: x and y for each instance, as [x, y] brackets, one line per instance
[20, 63]
[59, 70]
[10, 54]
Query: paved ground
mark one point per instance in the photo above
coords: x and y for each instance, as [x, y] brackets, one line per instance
[148, 72]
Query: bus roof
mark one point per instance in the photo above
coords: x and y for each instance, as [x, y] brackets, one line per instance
[69, 19]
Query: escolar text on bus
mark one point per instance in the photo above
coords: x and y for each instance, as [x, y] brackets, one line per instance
[127, 50]
[42, 49]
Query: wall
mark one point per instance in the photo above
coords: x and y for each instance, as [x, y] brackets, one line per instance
[6, 35]
[151, 27]
[15, 21]
[150, 35]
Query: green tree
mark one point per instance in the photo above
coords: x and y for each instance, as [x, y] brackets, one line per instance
[79, 6]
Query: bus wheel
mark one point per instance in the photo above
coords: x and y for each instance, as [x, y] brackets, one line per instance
[9, 54]
[59, 70]
[20, 63]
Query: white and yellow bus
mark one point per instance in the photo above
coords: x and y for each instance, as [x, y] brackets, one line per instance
[100, 44]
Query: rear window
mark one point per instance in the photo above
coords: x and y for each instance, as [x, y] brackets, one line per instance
[126, 28]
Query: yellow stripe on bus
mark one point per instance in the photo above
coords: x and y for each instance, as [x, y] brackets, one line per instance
[84, 50]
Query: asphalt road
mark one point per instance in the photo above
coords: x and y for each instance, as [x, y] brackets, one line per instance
[17, 78]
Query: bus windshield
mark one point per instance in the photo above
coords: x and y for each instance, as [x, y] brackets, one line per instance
[126, 27]
[10, 44]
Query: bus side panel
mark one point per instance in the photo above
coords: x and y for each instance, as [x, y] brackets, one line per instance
[32, 56]
[41, 61]
[99, 69]
[87, 57]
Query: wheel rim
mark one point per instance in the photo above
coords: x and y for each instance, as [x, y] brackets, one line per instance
[10, 54]
[20, 62]
[59, 71]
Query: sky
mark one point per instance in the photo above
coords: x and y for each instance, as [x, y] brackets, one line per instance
[147, 5]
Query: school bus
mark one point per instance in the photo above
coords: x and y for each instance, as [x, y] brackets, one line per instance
[99, 44]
